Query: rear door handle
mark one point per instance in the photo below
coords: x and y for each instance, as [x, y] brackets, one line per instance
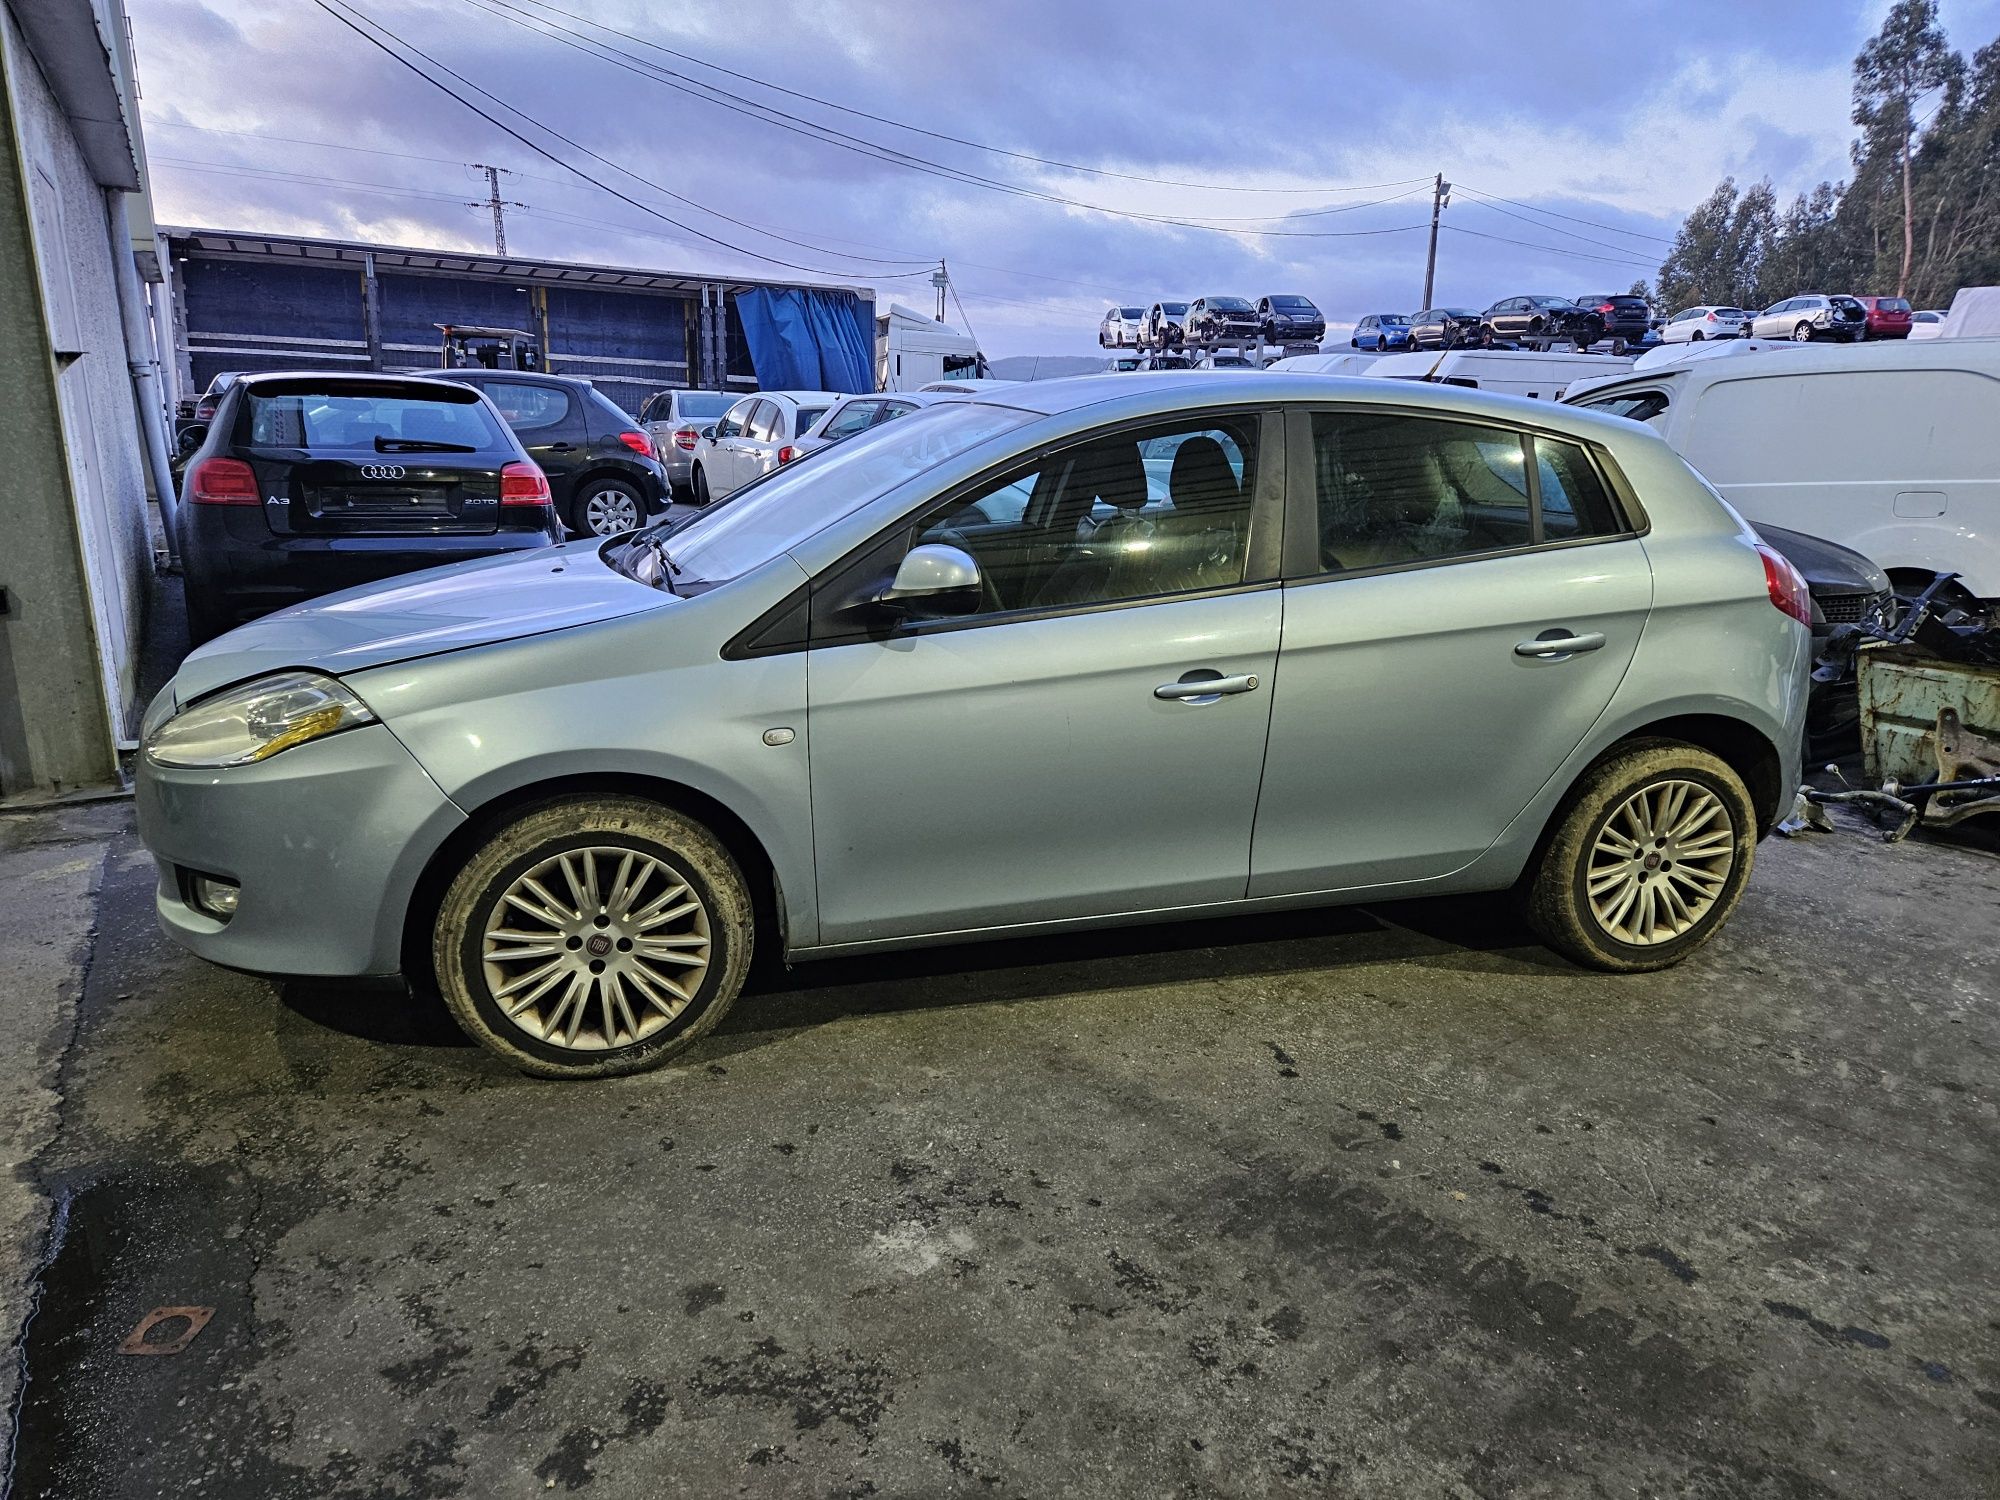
[561, 447]
[1204, 687]
[1557, 645]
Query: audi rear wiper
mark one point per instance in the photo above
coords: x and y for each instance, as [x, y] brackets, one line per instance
[421, 445]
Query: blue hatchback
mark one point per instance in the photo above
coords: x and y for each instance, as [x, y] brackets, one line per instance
[1381, 331]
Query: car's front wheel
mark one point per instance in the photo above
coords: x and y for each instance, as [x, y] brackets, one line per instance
[1648, 861]
[593, 936]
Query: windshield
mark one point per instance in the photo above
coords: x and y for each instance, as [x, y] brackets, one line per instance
[1131, 312]
[1290, 302]
[776, 513]
[1173, 309]
[1229, 304]
[1550, 301]
[1393, 320]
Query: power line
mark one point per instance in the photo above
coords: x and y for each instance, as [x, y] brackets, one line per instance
[812, 130]
[1552, 249]
[1067, 166]
[1639, 234]
[1550, 228]
[266, 174]
[543, 151]
[562, 182]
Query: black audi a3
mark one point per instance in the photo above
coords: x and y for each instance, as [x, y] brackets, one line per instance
[307, 483]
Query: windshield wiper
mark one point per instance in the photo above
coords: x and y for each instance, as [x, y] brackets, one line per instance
[421, 445]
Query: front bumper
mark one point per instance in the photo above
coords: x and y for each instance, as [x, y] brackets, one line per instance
[326, 841]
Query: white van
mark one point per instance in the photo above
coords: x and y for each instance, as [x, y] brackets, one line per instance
[1511, 372]
[1890, 448]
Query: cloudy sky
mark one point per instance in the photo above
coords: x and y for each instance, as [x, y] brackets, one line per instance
[1249, 148]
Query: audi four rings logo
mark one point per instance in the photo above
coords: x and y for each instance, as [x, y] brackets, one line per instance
[381, 471]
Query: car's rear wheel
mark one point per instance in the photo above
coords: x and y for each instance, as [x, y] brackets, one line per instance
[1802, 334]
[1695, 337]
[701, 496]
[594, 936]
[1650, 858]
[606, 507]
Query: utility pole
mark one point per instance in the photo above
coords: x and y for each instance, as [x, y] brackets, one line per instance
[499, 217]
[1440, 196]
[941, 279]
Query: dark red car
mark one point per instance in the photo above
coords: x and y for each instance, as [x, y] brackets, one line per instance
[1888, 317]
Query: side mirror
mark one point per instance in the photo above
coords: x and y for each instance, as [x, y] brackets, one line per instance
[709, 432]
[191, 437]
[934, 579]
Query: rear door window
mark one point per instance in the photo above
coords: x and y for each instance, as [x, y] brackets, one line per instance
[852, 418]
[1393, 490]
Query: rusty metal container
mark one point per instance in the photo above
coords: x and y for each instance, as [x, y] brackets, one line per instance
[1902, 693]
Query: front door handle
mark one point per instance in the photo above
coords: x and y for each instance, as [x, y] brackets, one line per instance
[1560, 645]
[1204, 686]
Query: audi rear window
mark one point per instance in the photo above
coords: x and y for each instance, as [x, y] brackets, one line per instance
[383, 418]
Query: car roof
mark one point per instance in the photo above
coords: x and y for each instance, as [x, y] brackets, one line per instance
[1167, 392]
[475, 373]
[1757, 359]
[352, 377]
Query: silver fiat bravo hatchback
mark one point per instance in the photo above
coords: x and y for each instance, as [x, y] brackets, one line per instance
[1067, 654]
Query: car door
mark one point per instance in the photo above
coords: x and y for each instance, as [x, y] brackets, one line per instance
[1088, 739]
[548, 419]
[1766, 324]
[1418, 709]
[757, 449]
[721, 454]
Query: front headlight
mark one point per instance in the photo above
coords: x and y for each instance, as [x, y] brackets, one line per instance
[253, 722]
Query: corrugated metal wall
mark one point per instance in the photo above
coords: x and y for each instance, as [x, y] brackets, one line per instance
[245, 316]
[627, 346]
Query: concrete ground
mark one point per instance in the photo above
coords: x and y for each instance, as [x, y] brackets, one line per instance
[1366, 1203]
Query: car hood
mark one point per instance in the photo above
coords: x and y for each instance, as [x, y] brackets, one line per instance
[1827, 567]
[423, 614]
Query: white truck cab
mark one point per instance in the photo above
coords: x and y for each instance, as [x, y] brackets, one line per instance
[912, 351]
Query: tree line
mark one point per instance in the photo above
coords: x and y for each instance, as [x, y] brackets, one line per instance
[1919, 218]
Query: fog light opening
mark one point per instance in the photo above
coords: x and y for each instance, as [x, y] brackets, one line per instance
[214, 895]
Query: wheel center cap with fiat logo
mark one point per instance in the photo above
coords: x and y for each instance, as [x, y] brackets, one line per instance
[598, 946]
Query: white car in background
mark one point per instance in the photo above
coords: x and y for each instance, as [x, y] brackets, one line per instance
[969, 386]
[1121, 327]
[674, 420]
[755, 436]
[1812, 316]
[1927, 324]
[852, 414]
[1695, 324]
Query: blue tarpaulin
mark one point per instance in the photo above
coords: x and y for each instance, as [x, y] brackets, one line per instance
[808, 339]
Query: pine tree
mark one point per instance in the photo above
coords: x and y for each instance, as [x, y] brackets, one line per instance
[1902, 63]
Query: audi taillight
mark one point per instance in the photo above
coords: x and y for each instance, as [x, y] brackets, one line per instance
[638, 442]
[787, 453]
[685, 438]
[1787, 589]
[524, 484]
[222, 481]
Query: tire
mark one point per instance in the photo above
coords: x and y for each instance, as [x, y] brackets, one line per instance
[1487, 337]
[1802, 334]
[1696, 337]
[1716, 816]
[205, 619]
[576, 1024]
[605, 507]
[701, 495]
[1354, 343]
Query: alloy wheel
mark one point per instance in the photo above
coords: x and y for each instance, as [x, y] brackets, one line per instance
[610, 511]
[1660, 862]
[596, 948]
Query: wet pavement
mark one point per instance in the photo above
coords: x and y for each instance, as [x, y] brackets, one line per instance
[1366, 1203]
